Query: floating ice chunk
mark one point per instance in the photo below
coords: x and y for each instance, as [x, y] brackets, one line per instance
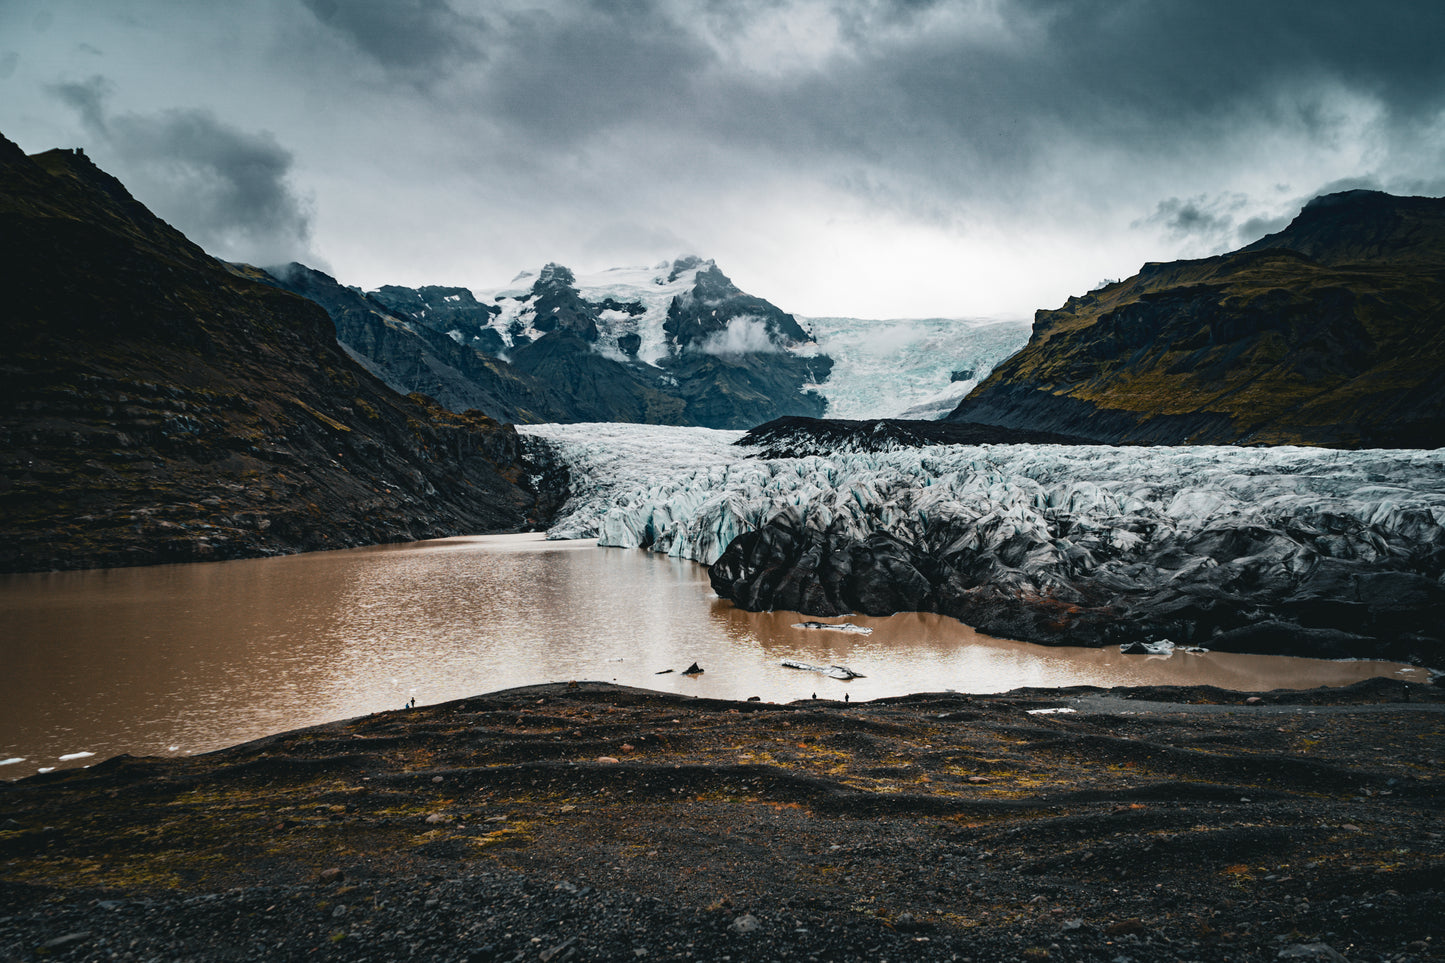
[1051, 712]
[46, 769]
[1162, 647]
[76, 755]
[12, 760]
[835, 627]
[831, 671]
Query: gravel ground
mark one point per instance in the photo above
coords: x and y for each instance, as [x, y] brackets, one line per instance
[594, 822]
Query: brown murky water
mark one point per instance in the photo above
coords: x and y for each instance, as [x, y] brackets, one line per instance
[187, 658]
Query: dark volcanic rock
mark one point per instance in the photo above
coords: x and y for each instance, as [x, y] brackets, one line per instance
[715, 304]
[156, 405]
[798, 437]
[558, 305]
[1249, 590]
[742, 390]
[597, 387]
[1327, 333]
[445, 310]
[414, 357]
[1150, 824]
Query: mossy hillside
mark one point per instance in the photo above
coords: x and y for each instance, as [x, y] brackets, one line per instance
[1340, 346]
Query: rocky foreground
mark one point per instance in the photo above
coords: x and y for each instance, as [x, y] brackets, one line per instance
[593, 822]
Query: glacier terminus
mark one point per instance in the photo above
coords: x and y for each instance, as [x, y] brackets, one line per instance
[1291, 550]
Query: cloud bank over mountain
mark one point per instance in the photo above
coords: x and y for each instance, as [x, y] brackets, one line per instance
[995, 156]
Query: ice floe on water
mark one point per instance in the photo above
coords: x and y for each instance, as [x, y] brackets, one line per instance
[848, 627]
[72, 756]
[12, 760]
[831, 671]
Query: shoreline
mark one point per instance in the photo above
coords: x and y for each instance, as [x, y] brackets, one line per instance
[597, 820]
[286, 643]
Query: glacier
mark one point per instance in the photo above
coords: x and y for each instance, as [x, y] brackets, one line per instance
[909, 368]
[1252, 548]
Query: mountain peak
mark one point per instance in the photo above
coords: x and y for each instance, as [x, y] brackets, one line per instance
[1325, 333]
[1358, 226]
[554, 275]
[687, 263]
[1357, 196]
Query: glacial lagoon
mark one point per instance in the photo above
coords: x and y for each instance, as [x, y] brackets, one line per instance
[181, 659]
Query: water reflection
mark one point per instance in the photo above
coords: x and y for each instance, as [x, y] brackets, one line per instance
[187, 658]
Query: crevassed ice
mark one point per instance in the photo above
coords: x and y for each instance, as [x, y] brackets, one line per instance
[688, 492]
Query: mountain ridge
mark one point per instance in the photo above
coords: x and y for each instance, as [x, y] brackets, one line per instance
[157, 405]
[685, 347]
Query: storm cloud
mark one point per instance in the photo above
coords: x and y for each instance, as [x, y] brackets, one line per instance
[427, 37]
[225, 188]
[957, 157]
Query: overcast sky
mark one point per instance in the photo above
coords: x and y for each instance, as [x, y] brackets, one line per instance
[879, 158]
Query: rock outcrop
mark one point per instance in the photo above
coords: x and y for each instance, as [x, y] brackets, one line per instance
[1331, 332]
[157, 405]
[413, 356]
[801, 437]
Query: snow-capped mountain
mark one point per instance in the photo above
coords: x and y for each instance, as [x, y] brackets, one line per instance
[648, 314]
[896, 368]
[675, 344]
[1286, 549]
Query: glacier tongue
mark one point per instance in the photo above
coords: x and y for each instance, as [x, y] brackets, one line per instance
[1076, 525]
[618, 472]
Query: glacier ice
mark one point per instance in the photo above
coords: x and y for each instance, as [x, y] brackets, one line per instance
[1074, 524]
[841, 672]
[689, 491]
[905, 368]
[845, 627]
